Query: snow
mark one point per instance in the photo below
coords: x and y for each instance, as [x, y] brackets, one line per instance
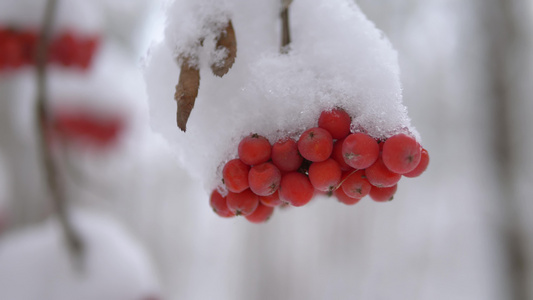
[439, 239]
[340, 60]
[78, 15]
[114, 265]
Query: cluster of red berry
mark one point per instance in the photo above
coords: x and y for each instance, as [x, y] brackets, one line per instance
[326, 159]
[18, 48]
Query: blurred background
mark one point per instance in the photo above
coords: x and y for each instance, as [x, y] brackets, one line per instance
[463, 230]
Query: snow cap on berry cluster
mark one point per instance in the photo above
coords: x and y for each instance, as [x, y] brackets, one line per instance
[337, 58]
[80, 16]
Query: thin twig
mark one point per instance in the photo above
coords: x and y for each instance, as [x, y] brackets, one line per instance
[72, 239]
[285, 30]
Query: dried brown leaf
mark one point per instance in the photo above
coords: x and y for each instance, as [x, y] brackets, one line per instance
[226, 40]
[186, 92]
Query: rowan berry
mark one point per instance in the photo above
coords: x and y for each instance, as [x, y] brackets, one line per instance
[254, 150]
[264, 179]
[271, 200]
[325, 175]
[336, 122]
[261, 214]
[379, 175]
[296, 189]
[285, 155]
[401, 153]
[243, 203]
[383, 194]
[343, 198]
[336, 154]
[315, 144]
[360, 150]
[219, 205]
[422, 165]
[235, 175]
[356, 185]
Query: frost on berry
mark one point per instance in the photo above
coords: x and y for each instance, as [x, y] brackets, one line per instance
[356, 185]
[360, 150]
[421, 167]
[296, 189]
[401, 153]
[383, 194]
[315, 144]
[379, 175]
[264, 179]
[254, 149]
[285, 155]
[243, 203]
[261, 214]
[325, 175]
[235, 175]
[336, 122]
[219, 205]
[343, 198]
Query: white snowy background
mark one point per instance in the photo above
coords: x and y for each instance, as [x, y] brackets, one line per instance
[452, 233]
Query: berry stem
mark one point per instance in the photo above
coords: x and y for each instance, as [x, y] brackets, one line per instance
[285, 31]
[344, 179]
[72, 239]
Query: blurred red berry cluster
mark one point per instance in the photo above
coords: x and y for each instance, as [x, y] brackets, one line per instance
[18, 48]
[327, 159]
[96, 130]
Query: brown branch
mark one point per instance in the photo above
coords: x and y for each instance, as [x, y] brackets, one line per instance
[226, 40]
[72, 239]
[285, 29]
[186, 92]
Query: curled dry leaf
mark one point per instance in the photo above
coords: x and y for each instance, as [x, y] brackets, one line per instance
[186, 92]
[226, 40]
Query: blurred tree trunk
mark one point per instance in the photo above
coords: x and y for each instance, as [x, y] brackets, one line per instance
[504, 37]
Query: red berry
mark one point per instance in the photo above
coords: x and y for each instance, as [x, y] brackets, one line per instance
[296, 189]
[254, 150]
[325, 175]
[315, 144]
[28, 41]
[219, 205]
[285, 155]
[378, 175]
[401, 153]
[85, 51]
[338, 157]
[261, 214]
[235, 175]
[360, 150]
[343, 198]
[356, 185]
[264, 179]
[335, 121]
[383, 194]
[422, 165]
[271, 200]
[243, 203]
[12, 50]
[63, 49]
